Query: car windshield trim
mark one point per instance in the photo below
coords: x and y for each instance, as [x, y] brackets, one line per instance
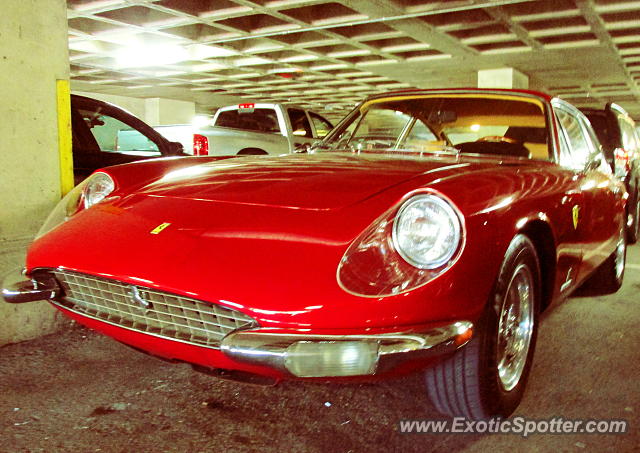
[500, 124]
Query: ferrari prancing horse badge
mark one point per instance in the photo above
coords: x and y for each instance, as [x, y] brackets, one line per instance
[162, 226]
[576, 216]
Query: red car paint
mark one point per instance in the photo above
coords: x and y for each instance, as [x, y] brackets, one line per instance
[265, 235]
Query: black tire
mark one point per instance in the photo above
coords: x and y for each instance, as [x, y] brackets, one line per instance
[607, 279]
[467, 384]
[252, 152]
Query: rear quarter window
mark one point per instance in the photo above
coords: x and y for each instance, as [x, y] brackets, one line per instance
[115, 136]
[601, 126]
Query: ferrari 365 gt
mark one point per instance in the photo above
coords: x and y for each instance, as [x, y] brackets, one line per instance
[427, 231]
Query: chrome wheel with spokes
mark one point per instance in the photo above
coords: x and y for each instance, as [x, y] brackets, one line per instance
[636, 225]
[620, 256]
[515, 328]
[607, 279]
[633, 219]
[487, 377]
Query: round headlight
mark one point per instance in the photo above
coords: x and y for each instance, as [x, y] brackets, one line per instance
[99, 186]
[426, 231]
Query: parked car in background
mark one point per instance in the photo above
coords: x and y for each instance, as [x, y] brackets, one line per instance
[105, 135]
[260, 129]
[428, 229]
[617, 132]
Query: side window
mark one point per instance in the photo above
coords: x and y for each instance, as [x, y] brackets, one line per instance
[322, 125]
[606, 136]
[598, 150]
[420, 134]
[579, 150]
[115, 136]
[300, 126]
[380, 128]
[628, 133]
[565, 150]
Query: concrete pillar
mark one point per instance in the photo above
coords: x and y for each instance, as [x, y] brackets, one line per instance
[152, 111]
[161, 111]
[502, 78]
[33, 55]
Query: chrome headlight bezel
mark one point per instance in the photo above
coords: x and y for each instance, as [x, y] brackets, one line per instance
[76, 201]
[65, 208]
[373, 267]
[99, 186]
[437, 206]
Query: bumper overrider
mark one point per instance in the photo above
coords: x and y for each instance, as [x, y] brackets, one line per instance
[293, 353]
[17, 288]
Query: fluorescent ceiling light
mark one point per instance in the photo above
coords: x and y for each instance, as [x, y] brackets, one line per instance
[140, 55]
[206, 67]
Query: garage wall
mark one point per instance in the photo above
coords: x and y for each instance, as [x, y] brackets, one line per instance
[169, 111]
[33, 54]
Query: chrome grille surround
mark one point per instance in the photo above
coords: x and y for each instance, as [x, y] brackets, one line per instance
[147, 310]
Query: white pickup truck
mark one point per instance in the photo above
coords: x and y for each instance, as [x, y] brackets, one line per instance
[259, 129]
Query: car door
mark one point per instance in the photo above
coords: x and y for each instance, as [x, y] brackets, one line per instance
[594, 194]
[105, 135]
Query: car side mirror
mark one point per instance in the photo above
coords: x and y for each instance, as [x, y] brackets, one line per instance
[176, 148]
[597, 162]
[302, 148]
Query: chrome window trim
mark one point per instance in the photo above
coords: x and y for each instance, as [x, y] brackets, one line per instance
[595, 148]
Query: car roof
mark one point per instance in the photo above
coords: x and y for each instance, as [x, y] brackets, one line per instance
[512, 91]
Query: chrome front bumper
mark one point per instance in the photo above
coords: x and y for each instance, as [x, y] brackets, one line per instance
[295, 354]
[18, 289]
[269, 348]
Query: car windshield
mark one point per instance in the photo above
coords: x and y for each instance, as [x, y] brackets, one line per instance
[468, 123]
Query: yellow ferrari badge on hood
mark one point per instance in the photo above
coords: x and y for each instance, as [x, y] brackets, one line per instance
[576, 216]
[162, 226]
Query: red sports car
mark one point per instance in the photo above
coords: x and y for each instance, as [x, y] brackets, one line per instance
[427, 231]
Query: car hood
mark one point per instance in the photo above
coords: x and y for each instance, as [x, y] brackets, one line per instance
[266, 239]
[313, 182]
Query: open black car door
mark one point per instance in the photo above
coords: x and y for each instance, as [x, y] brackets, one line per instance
[105, 135]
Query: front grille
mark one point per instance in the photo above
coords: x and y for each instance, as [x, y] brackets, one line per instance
[147, 310]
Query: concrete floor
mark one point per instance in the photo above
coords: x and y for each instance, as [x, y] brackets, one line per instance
[78, 391]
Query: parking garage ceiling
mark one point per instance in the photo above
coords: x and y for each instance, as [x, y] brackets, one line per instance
[328, 54]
